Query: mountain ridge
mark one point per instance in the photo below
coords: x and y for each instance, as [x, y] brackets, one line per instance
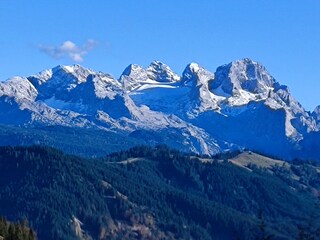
[208, 112]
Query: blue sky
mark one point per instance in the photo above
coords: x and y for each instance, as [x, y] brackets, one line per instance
[283, 35]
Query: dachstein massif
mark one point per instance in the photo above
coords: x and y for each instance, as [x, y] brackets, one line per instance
[240, 106]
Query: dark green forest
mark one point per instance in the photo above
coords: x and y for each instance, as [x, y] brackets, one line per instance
[156, 193]
[16, 231]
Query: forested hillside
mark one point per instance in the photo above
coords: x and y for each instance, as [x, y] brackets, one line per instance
[15, 231]
[156, 193]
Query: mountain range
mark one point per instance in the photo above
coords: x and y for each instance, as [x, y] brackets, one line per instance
[240, 106]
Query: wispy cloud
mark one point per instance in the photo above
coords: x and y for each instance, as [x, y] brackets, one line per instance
[68, 49]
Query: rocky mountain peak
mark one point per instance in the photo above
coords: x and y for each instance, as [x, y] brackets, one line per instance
[195, 75]
[132, 69]
[244, 75]
[133, 76]
[316, 113]
[161, 72]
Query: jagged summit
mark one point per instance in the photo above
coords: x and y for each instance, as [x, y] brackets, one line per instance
[135, 76]
[76, 72]
[131, 69]
[58, 80]
[316, 113]
[317, 109]
[243, 75]
[240, 105]
[194, 75]
[161, 72]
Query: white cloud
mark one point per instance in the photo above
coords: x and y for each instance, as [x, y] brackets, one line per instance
[68, 49]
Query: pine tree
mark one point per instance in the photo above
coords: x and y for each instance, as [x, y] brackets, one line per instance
[262, 234]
